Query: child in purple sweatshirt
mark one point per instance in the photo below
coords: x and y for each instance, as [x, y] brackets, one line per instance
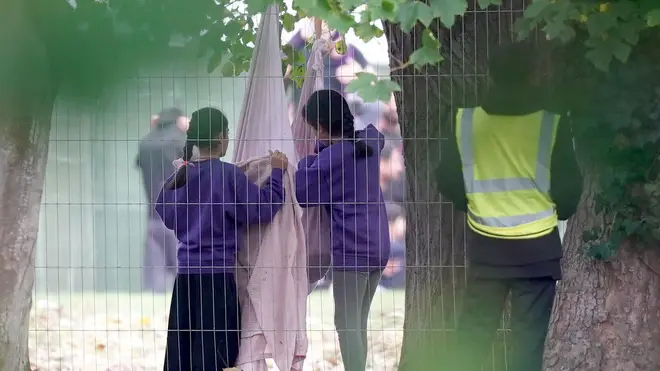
[344, 178]
[208, 203]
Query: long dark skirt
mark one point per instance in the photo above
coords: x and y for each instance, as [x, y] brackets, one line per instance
[204, 323]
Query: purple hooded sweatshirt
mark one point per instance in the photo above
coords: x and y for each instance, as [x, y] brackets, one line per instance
[349, 189]
[209, 213]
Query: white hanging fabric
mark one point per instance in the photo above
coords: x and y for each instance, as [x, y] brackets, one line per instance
[271, 275]
[316, 220]
[264, 116]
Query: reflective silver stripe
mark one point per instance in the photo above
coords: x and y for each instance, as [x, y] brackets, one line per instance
[541, 179]
[501, 185]
[542, 175]
[511, 221]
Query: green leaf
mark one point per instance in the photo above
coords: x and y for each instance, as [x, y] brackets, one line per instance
[229, 69]
[341, 22]
[299, 58]
[298, 74]
[600, 57]
[324, 5]
[630, 32]
[370, 89]
[362, 81]
[288, 22]
[536, 8]
[363, 85]
[382, 9]
[428, 53]
[388, 7]
[429, 40]
[351, 4]
[621, 50]
[624, 9]
[411, 12]
[447, 10]
[561, 30]
[384, 89]
[599, 23]
[314, 8]
[366, 32]
[524, 26]
[653, 18]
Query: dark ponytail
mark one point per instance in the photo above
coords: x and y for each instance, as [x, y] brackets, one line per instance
[362, 149]
[206, 125]
[181, 175]
[329, 110]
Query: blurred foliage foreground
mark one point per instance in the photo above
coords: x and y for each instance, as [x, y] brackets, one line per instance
[605, 59]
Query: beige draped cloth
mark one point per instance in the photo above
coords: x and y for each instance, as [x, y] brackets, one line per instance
[315, 219]
[272, 283]
[272, 270]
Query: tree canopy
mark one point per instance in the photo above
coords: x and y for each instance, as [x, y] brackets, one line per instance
[90, 37]
[92, 42]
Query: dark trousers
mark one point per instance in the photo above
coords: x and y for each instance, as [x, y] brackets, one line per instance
[353, 293]
[159, 266]
[531, 306]
[204, 323]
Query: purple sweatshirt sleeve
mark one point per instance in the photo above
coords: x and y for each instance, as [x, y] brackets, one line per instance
[256, 205]
[312, 187]
[358, 56]
[297, 41]
[306, 162]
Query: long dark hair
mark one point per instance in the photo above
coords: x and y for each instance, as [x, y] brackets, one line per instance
[329, 110]
[206, 125]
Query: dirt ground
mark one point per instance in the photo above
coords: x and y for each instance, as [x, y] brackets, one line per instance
[104, 331]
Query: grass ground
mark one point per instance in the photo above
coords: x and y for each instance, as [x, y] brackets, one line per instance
[126, 331]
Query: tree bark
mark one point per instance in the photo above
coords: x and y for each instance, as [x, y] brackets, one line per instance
[26, 104]
[436, 261]
[606, 314]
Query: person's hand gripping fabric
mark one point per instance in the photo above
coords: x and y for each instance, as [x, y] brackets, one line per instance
[278, 160]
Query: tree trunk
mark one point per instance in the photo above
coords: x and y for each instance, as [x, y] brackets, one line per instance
[606, 314]
[26, 105]
[436, 261]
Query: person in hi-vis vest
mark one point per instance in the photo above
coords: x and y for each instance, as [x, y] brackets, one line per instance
[512, 170]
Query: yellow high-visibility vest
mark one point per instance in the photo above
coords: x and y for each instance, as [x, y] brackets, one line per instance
[506, 171]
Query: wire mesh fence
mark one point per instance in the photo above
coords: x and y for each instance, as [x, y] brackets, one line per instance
[97, 305]
[103, 280]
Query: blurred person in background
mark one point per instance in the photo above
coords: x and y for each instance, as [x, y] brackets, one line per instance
[157, 151]
[367, 113]
[389, 123]
[392, 178]
[339, 69]
[394, 275]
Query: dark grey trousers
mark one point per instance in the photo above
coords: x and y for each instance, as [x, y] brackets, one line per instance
[353, 292]
[160, 264]
[531, 306]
